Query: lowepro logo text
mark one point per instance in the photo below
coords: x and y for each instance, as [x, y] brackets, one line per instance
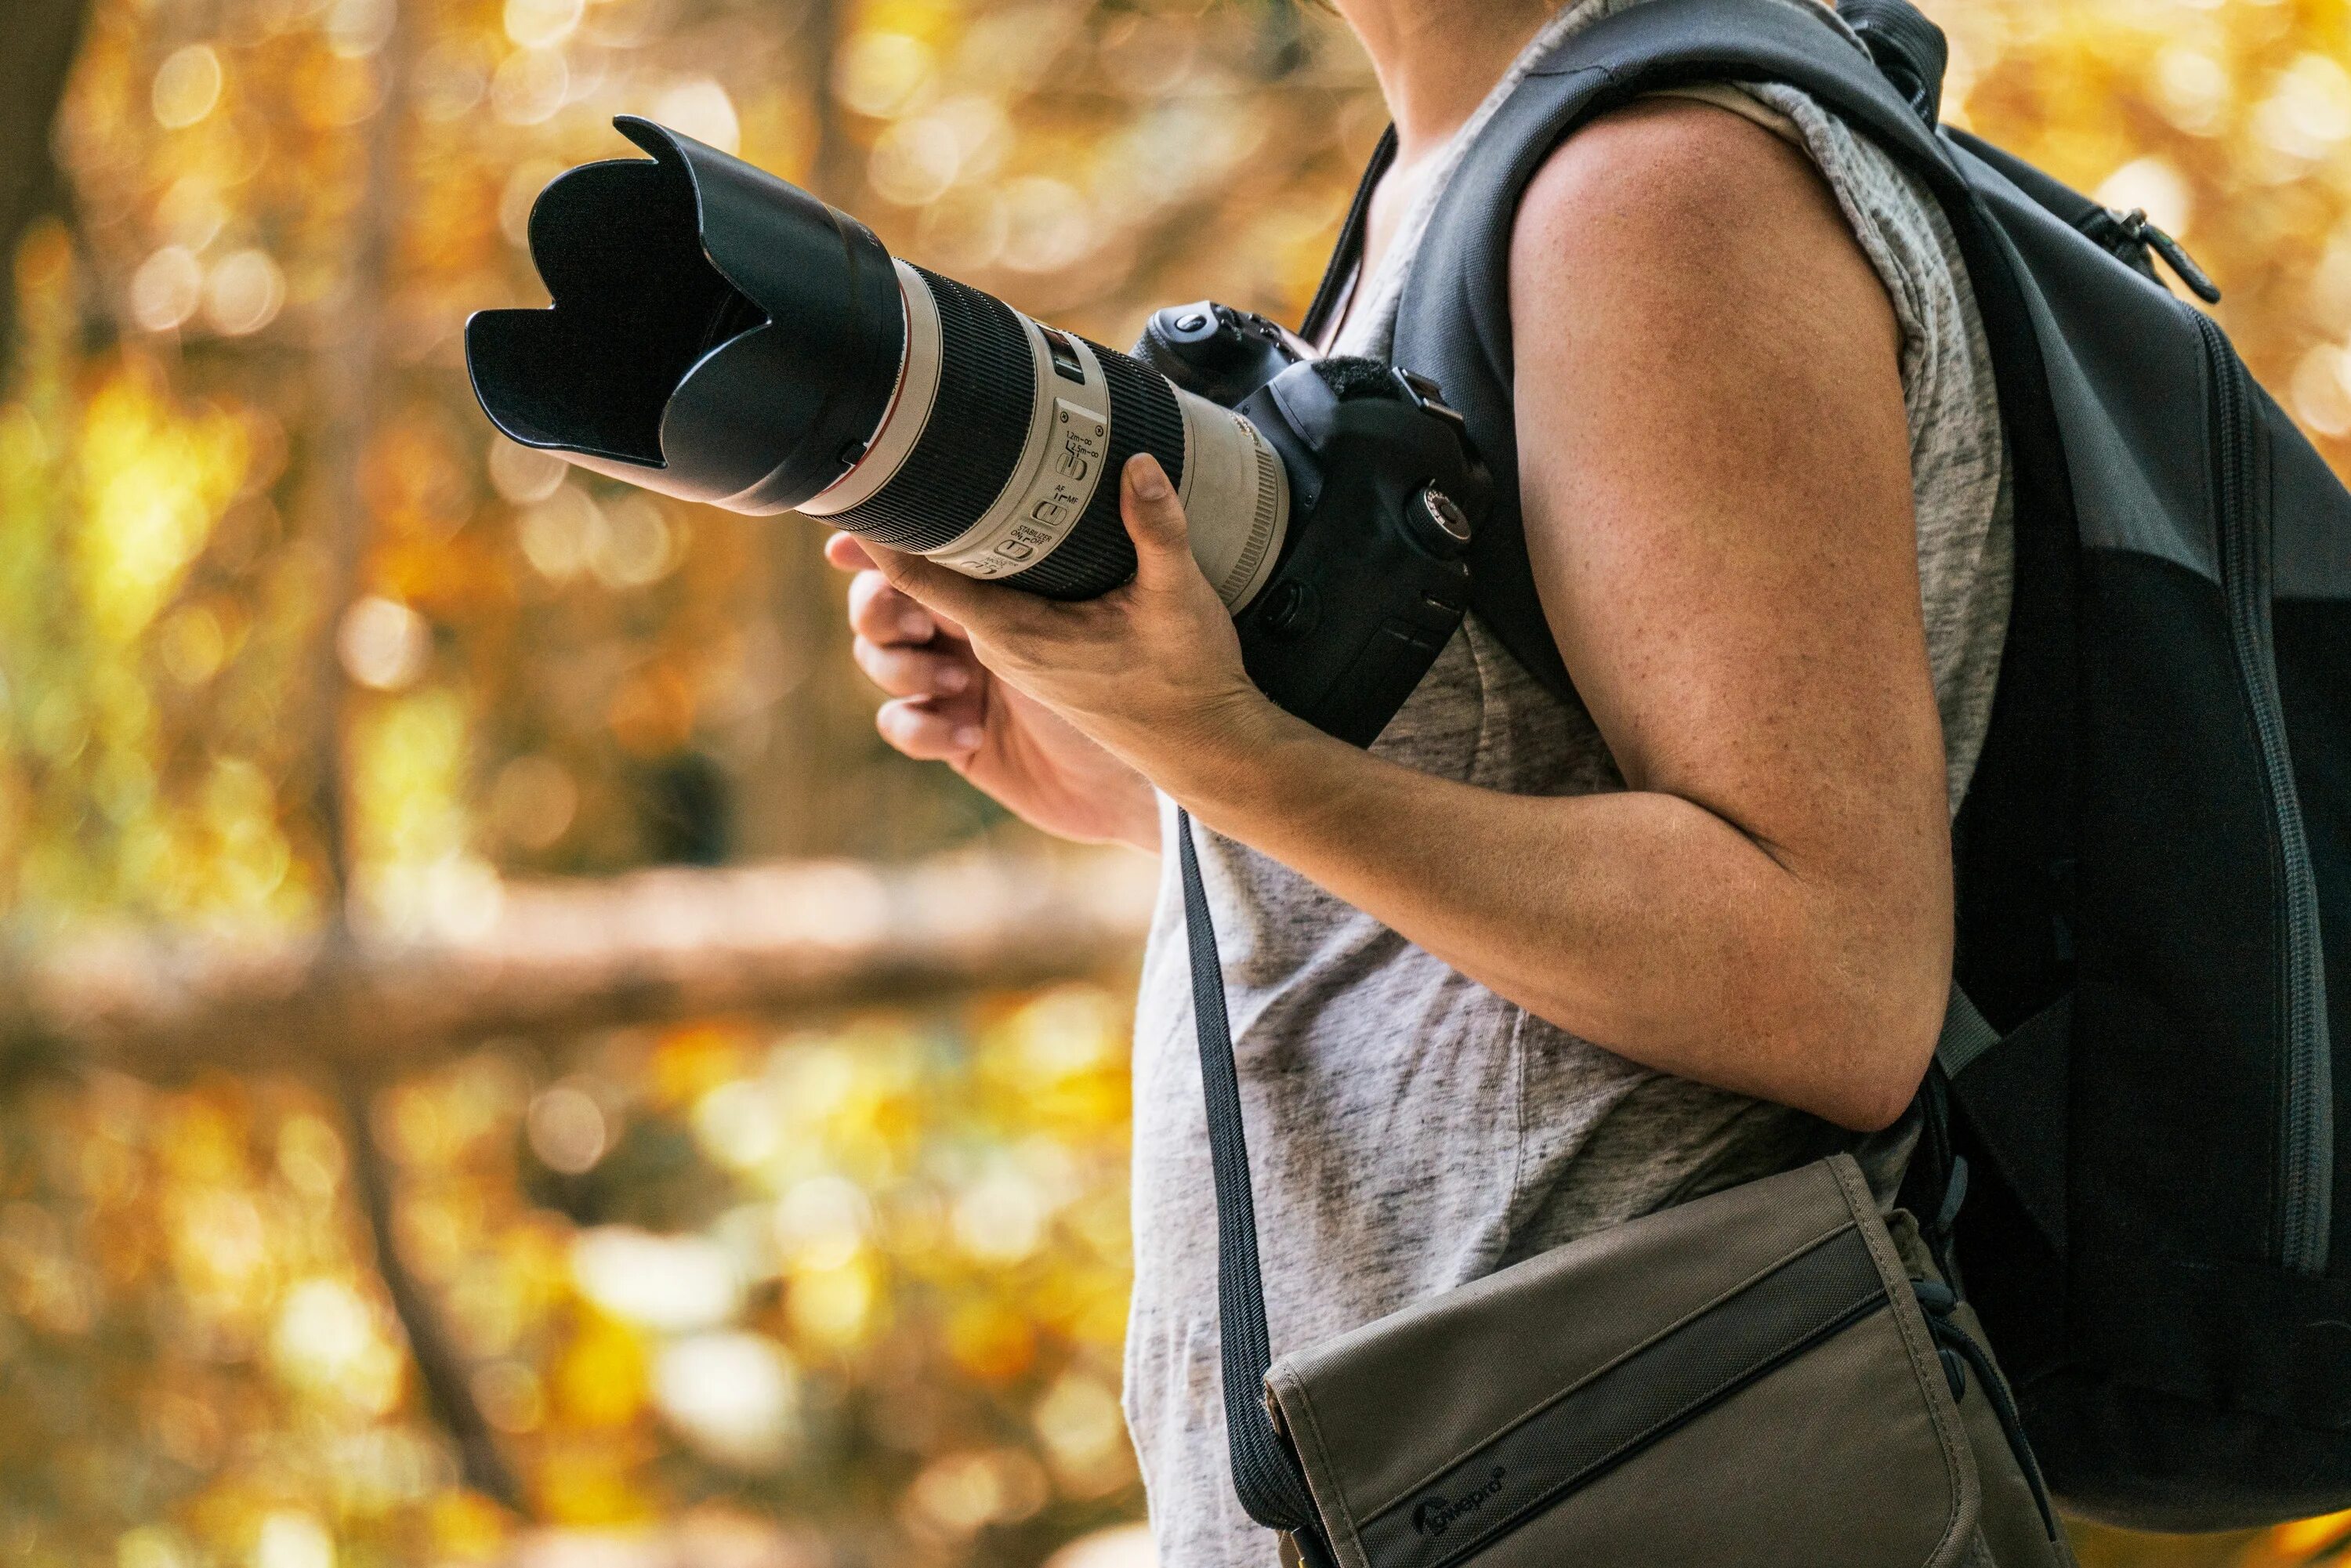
[1438, 1513]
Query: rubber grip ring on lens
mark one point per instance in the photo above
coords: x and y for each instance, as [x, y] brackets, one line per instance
[977, 428]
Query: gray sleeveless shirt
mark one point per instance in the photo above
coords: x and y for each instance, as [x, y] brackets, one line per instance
[1409, 1130]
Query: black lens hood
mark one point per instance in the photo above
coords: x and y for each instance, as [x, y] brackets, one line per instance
[715, 333]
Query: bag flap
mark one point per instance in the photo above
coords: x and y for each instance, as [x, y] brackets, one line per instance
[1542, 1393]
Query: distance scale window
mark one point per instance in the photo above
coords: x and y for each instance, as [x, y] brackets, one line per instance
[1066, 363]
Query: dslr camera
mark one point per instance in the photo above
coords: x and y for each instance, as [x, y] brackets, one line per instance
[720, 335]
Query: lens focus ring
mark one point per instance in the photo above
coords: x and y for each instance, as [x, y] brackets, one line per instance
[973, 439]
[1097, 556]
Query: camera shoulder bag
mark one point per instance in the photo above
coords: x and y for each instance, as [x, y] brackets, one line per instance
[1765, 1377]
[2154, 856]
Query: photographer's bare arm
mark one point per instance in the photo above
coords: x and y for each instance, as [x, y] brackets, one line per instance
[1716, 479]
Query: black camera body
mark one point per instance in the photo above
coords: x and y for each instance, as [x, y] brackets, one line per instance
[1384, 487]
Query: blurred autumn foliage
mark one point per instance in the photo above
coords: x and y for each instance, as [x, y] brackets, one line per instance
[291, 645]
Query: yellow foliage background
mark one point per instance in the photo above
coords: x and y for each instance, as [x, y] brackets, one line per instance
[283, 629]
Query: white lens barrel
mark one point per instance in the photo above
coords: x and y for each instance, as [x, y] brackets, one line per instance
[1060, 468]
[1235, 497]
[910, 406]
[1234, 489]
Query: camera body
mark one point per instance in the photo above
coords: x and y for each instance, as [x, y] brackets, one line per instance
[1384, 485]
[720, 335]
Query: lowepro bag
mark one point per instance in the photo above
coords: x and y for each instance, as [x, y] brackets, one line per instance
[1764, 1378]
[2154, 960]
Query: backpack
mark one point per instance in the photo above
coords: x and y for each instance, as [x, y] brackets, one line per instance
[2154, 855]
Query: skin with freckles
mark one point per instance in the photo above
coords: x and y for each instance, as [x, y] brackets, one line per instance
[1715, 475]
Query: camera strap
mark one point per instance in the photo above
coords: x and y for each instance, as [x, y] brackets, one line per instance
[1266, 1473]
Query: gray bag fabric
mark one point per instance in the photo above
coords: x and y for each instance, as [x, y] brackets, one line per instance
[1691, 1387]
[1767, 1376]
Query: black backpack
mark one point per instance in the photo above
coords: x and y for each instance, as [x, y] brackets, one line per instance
[2154, 856]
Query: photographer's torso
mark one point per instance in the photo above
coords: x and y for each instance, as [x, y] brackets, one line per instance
[1410, 1130]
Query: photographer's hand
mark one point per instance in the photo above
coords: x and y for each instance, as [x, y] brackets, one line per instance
[947, 707]
[1149, 671]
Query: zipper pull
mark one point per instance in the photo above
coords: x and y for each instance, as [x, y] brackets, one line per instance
[2175, 256]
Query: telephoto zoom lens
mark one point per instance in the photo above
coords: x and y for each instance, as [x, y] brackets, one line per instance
[720, 335]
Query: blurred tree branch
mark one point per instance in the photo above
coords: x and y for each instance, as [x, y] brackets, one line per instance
[36, 53]
[556, 958]
[440, 1363]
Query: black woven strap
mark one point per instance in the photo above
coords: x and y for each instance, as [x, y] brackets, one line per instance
[1265, 1472]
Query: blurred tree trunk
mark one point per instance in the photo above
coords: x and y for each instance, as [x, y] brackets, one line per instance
[800, 798]
[350, 369]
[37, 41]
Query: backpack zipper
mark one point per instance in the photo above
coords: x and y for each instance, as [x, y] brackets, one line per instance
[2306, 1112]
[2131, 238]
[2175, 256]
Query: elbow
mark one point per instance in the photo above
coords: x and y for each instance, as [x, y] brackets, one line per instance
[1890, 1034]
[1873, 1107]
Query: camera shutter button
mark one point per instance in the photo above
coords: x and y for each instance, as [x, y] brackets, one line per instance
[1443, 525]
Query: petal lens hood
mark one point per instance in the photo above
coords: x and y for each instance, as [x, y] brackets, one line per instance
[716, 333]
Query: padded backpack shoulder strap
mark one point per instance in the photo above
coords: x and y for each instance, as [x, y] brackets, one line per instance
[1454, 323]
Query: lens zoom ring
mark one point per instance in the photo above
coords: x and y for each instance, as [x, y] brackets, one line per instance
[1097, 556]
[978, 425]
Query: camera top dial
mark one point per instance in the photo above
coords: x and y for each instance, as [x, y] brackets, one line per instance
[1217, 352]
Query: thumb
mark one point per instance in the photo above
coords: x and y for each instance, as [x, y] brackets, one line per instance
[1155, 522]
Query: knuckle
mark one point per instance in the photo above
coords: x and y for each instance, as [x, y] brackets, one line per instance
[886, 623]
[866, 591]
[884, 669]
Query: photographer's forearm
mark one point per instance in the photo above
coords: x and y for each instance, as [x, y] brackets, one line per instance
[1806, 963]
[1639, 920]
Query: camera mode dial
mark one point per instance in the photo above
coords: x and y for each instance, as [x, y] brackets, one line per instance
[1438, 521]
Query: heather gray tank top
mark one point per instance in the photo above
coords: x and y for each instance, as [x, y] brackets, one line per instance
[1409, 1130]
